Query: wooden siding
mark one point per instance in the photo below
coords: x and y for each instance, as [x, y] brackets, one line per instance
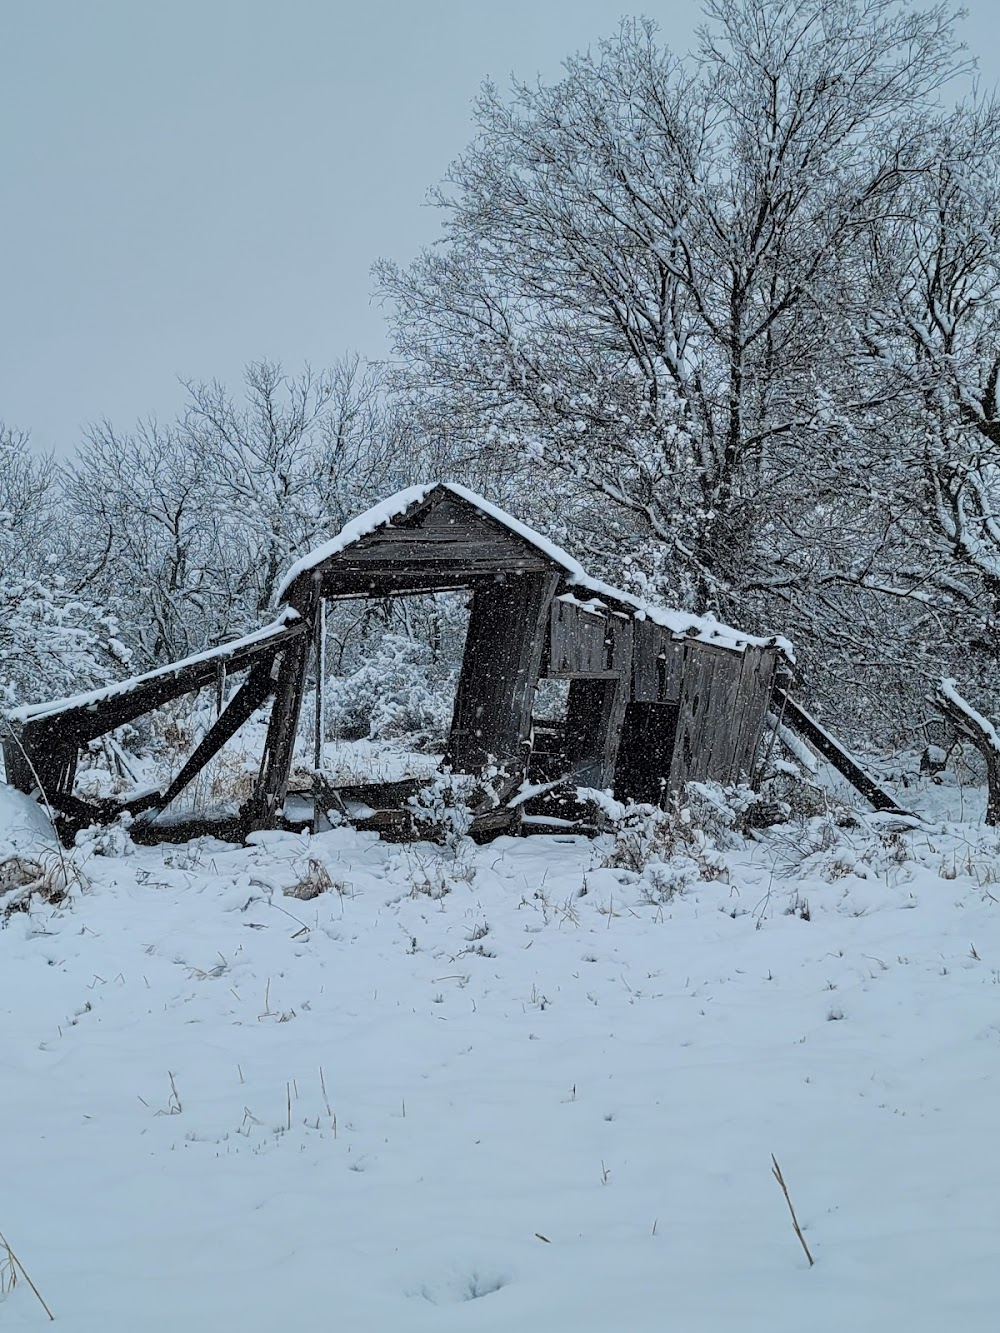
[658, 664]
[723, 703]
[503, 650]
[592, 644]
[760, 667]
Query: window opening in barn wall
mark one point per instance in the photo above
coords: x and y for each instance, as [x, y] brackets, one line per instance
[548, 731]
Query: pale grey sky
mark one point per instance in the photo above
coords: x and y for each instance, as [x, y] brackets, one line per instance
[191, 184]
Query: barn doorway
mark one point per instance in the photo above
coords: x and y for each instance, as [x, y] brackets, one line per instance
[646, 750]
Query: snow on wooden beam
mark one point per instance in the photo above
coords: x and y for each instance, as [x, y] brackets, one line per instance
[796, 717]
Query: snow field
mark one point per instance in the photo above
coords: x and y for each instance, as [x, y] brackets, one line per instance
[504, 1060]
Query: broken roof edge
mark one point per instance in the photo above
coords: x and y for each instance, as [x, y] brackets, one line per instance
[26, 713]
[682, 624]
[378, 516]
[401, 505]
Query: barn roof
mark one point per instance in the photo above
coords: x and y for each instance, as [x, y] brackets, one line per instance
[167, 681]
[577, 586]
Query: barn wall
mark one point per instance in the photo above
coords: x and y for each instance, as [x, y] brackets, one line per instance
[723, 703]
[658, 664]
[586, 643]
[500, 667]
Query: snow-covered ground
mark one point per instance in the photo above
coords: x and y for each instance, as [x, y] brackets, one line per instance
[508, 1089]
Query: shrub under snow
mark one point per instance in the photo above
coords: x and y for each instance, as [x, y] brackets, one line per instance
[392, 694]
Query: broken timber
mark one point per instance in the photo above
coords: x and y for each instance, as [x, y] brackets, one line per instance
[796, 717]
[972, 726]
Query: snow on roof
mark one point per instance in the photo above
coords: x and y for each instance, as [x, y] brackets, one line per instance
[382, 514]
[379, 516]
[683, 624]
[35, 712]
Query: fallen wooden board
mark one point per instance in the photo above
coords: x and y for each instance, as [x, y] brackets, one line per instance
[795, 716]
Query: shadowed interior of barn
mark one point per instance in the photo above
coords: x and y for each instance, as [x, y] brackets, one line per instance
[655, 698]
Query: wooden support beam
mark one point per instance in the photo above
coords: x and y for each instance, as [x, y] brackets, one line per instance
[79, 813]
[18, 763]
[244, 703]
[276, 764]
[51, 726]
[795, 716]
[320, 712]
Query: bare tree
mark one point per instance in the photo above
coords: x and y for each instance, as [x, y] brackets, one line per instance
[190, 525]
[931, 323]
[28, 501]
[52, 641]
[144, 506]
[644, 264]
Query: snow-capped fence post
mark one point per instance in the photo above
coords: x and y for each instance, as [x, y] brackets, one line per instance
[982, 734]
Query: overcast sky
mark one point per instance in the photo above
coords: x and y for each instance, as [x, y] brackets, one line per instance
[191, 184]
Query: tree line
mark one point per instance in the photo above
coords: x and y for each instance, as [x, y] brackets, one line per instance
[725, 324]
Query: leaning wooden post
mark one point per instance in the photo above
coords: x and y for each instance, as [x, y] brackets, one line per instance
[279, 748]
[982, 734]
[320, 640]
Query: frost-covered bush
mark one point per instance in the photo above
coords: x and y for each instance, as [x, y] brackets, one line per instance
[829, 848]
[665, 849]
[442, 808]
[107, 839]
[393, 693]
[52, 642]
[726, 814]
[33, 867]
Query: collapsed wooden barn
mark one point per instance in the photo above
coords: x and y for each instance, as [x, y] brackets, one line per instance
[655, 698]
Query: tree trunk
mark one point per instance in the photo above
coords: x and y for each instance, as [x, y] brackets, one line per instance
[972, 726]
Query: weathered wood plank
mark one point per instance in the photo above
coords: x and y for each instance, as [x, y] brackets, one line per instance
[492, 716]
[707, 673]
[416, 549]
[795, 716]
[756, 690]
[272, 779]
[658, 664]
[581, 642]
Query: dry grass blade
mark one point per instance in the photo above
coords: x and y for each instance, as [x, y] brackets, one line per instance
[315, 881]
[776, 1172]
[25, 880]
[16, 1267]
[46, 877]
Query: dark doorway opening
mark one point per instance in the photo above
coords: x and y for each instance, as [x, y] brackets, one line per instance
[645, 752]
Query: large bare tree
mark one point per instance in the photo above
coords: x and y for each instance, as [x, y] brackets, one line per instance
[642, 277]
[190, 524]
